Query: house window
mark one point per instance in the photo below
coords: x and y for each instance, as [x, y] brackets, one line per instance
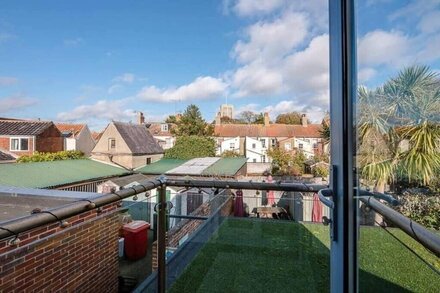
[254, 160]
[164, 127]
[254, 145]
[148, 161]
[19, 144]
[315, 145]
[273, 142]
[301, 146]
[287, 146]
[263, 159]
[232, 145]
[111, 143]
[263, 143]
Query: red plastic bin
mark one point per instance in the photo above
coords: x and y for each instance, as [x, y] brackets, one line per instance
[135, 239]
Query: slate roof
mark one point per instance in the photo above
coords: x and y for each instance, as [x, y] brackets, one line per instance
[4, 156]
[71, 129]
[23, 127]
[138, 139]
[272, 130]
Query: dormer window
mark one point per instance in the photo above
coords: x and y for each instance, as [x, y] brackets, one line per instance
[164, 127]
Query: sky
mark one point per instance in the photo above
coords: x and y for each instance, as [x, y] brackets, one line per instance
[94, 61]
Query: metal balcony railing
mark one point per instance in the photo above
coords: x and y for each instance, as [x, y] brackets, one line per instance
[16, 226]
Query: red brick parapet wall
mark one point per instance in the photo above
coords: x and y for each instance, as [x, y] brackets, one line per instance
[189, 226]
[82, 257]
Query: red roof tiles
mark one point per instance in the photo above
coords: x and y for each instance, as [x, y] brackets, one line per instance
[272, 130]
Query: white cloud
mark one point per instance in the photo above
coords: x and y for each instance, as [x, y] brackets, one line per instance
[383, 47]
[314, 113]
[254, 7]
[256, 79]
[307, 71]
[204, 87]
[73, 42]
[430, 22]
[15, 102]
[272, 40]
[114, 88]
[366, 74]
[125, 78]
[7, 80]
[101, 110]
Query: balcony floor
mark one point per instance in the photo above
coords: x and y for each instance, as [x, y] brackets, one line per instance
[254, 255]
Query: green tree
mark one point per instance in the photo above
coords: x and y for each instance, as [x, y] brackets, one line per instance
[284, 163]
[290, 118]
[190, 147]
[249, 117]
[171, 119]
[399, 128]
[192, 123]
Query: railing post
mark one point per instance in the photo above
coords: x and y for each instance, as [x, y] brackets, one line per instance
[161, 236]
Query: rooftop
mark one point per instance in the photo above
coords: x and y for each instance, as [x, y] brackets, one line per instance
[138, 139]
[23, 127]
[272, 130]
[211, 166]
[56, 173]
[6, 156]
[19, 202]
[71, 129]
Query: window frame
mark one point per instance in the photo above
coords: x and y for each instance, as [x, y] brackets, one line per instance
[20, 138]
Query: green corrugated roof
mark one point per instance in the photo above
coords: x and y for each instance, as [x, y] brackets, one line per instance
[225, 167]
[47, 174]
[161, 166]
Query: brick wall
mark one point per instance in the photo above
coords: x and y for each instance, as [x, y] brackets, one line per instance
[82, 257]
[50, 141]
[5, 144]
[189, 226]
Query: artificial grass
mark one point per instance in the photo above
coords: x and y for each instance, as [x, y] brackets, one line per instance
[254, 255]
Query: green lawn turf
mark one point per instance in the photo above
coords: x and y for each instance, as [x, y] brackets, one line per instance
[252, 255]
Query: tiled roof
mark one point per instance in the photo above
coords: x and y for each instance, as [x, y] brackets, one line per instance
[23, 127]
[272, 130]
[73, 129]
[97, 135]
[5, 156]
[138, 139]
[55, 173]
[156, 129]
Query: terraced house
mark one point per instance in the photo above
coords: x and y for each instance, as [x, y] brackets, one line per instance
[254, 140]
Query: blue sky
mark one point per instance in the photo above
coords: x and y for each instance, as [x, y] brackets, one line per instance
[92, 61]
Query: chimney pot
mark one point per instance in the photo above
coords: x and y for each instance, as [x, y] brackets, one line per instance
[304, 120]
[141, 118]
[266, 119]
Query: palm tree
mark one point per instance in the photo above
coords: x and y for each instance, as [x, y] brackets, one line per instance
[399, 130]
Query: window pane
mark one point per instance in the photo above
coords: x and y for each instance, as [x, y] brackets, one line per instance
[24, 144]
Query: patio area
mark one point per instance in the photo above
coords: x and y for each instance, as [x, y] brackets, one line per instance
[254, 255]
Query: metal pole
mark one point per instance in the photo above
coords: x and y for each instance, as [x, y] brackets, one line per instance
[161, 237]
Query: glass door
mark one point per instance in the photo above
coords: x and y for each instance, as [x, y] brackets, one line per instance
[397, 145]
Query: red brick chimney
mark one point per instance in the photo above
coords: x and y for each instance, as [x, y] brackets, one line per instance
[266, 119]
